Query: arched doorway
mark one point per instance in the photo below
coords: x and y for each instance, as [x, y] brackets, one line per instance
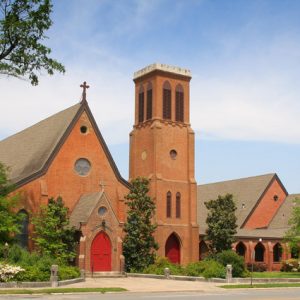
[173, 249]
[241, 249]
[259, 252]
[101, 253]
[203, 249]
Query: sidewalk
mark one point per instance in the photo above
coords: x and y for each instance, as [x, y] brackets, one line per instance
[148, 284]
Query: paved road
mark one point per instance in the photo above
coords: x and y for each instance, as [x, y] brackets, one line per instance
[267, 294]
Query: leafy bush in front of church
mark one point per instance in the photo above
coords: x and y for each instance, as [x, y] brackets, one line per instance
[214, 270]
[37, 267]
[68, 272]
[205, 268]
[229, 257]
[54, 236]
[290, 265]
[160, 264]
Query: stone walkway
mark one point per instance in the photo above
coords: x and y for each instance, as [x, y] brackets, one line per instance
[149, 284]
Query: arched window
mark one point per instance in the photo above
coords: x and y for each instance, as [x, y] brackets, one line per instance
[178, 204]
[167, 100]
[141, 105]
[259, 252]
[169, 204]
[277, 253]
[22, 237]
[172, 249]
[241, 249]
[179, 103]
[203, 250]
[149, 101]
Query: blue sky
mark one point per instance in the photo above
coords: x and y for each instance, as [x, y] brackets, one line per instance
[245, 61]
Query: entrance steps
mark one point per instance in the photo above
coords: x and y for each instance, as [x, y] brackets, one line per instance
[113, 274]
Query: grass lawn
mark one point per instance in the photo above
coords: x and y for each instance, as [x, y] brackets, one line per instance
[276, 274]
[259, 285]
[61, 290]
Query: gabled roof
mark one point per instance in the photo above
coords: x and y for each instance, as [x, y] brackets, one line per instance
[246, 192]
[84, 208]
[29, 152]
[281, 219]
[279, 224]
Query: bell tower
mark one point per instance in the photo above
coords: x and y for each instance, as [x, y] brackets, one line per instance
[162, 149]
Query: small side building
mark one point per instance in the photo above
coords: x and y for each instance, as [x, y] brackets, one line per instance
[263, 210]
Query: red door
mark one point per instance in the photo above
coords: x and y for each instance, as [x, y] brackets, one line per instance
[173, 249]
[101, 253]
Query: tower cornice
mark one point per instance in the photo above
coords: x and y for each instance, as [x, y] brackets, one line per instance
[157, 68]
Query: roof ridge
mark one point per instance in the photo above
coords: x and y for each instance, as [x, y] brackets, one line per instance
[243, 178]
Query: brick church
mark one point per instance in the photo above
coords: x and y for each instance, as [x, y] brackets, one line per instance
[65, 155]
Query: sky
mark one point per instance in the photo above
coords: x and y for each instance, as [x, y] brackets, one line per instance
[244, 56]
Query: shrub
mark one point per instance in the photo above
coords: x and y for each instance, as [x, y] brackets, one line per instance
[290, 265]
[257, 267]
[214, 270]
[37, 268]
[33, 273]
[160, 264]
[229, 257]
[9, 272]
[197, 268]
[67, 272]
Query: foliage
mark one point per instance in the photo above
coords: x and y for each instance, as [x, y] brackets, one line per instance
[257, 267]
[229, 257]
[160, 264]
[22, 27]
[10, 221]
[8, 272]
[290, 265]
[207, 268]
[221, 222]
[197, 268]
[139, 243]
[54, 236]
[37, 267]
[214, 270]
[292, 236]
[68, 272]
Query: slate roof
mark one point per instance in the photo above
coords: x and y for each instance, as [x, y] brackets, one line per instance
[279, 224]
[27, 151]
[84, 208]
[246, 193]
[283, 214]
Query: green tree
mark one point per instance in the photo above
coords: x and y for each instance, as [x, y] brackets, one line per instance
[53, 235]
[22, 27]
[139, 243]
[221, 222]
[292, 236]
[10, 221]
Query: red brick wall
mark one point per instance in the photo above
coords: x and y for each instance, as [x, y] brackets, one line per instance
[267, 207]
[150, 146]
[62, 180]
